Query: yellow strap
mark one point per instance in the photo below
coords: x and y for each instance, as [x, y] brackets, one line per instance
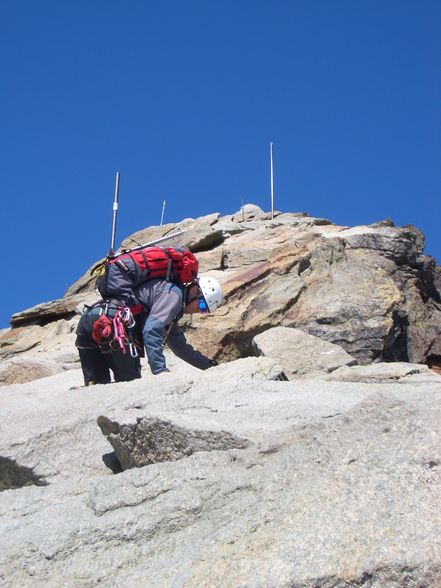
[99, 269]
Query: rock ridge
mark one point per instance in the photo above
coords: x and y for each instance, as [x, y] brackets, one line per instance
[369, 289]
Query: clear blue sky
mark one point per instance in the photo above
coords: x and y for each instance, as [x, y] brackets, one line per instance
[184, 97]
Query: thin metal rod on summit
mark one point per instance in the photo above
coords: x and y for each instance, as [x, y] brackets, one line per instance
[162, 213]
[155, 242]
[272, 181]
[115, 212]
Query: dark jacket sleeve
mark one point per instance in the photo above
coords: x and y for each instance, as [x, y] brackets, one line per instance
[178, 344]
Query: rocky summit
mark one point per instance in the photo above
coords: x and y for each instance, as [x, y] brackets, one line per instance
[310, 457]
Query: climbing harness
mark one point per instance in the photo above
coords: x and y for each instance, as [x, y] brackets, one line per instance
[112, 327]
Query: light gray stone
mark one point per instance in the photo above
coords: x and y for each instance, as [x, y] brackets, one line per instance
[20, 370]
[339, 484]
[299, 353]
[248, 368]
[384, 372]
[47, 312]
[400, 243]
[142, 440]
[247, 212]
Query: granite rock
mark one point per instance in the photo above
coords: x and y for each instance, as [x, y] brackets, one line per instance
[369, 289]
[20, 370]
[337, 484]
[385, 373]
[299, 353]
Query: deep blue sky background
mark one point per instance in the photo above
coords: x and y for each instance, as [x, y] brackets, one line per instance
[184, 97]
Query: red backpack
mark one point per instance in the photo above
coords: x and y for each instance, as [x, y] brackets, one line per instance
[120, 274]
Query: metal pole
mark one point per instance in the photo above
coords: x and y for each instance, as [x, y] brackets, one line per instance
[162, 214]
[156, 241]
[115, 212]
[272, 181]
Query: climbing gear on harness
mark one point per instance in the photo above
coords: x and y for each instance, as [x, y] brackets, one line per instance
[123, 321]
[119, 333]
[113, 327]
[127, 317]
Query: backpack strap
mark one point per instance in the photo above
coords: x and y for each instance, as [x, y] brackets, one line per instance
[125, 268]
[168, 275]
[145, 259]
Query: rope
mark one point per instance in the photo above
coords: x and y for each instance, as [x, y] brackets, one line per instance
[102, 329]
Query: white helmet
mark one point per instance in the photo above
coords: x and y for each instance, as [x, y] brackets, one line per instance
[211, 291]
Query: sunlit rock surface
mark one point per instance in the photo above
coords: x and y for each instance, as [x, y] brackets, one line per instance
[249, 480]
[368, 289]
[317, 464]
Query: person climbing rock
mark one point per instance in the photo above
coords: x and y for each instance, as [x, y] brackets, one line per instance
[110, 336]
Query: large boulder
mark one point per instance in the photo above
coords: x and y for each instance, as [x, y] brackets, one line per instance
[349, 300]
[372, 291]
[247, 212]
[368, 289]
[21, 370]
[299, 353]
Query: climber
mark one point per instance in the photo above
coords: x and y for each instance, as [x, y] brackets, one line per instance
[153, 321]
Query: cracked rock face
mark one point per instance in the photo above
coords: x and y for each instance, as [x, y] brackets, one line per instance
[251, 480]
[150, 440]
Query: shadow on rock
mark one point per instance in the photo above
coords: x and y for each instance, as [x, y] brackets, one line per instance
[112, 462]
[13, 475]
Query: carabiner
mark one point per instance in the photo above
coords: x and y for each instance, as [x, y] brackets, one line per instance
[133, 350]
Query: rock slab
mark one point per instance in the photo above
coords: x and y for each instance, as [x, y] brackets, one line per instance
[299, 353]
[338, 483]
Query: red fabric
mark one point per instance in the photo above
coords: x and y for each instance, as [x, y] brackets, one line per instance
[184, 264]
[102, 329]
